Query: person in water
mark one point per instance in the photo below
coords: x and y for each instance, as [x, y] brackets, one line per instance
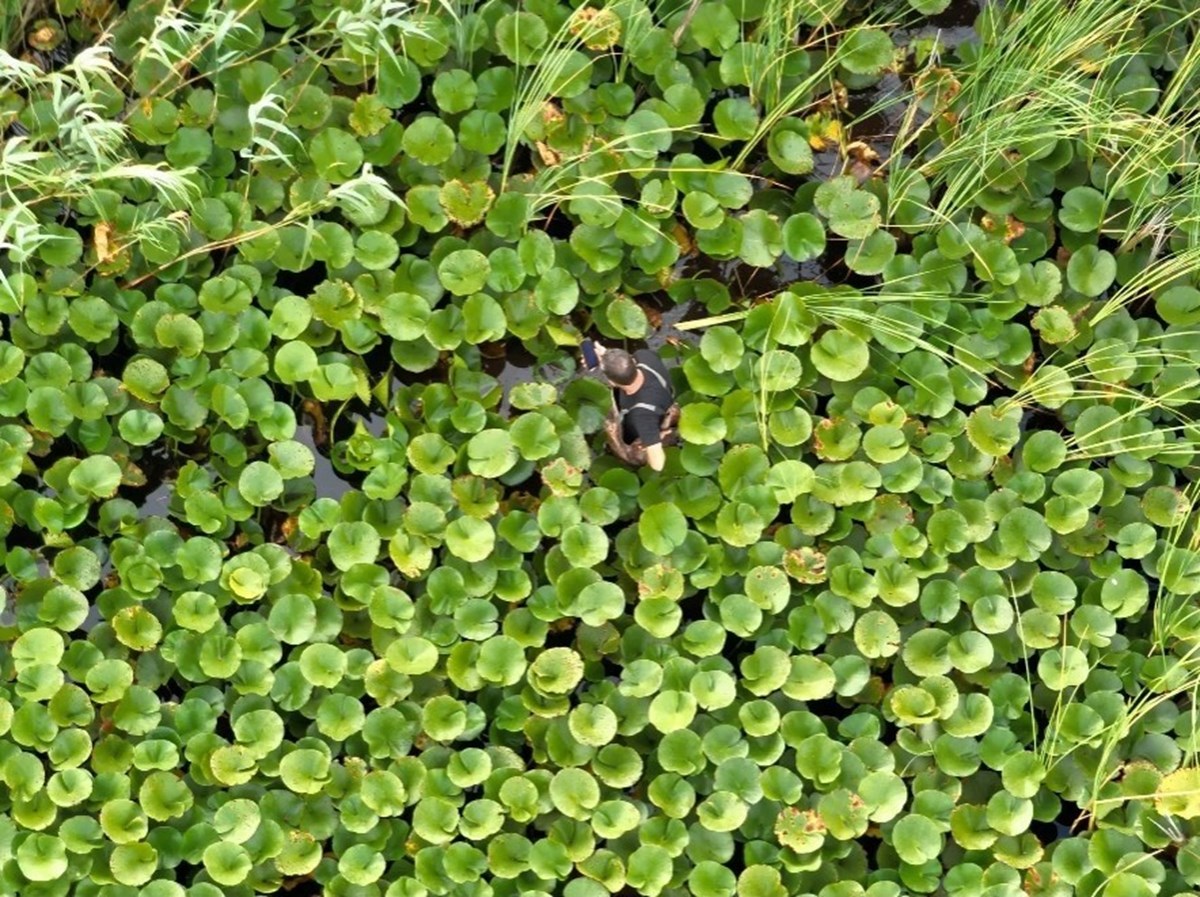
[644, 415]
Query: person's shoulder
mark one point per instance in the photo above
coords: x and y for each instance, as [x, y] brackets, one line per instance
[650, 357]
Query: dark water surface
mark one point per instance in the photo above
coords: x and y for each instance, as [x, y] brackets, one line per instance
[329, 483]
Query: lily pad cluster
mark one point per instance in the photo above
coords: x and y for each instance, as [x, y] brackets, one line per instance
[302, 593]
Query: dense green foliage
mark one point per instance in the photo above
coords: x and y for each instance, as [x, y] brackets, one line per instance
[299, 597]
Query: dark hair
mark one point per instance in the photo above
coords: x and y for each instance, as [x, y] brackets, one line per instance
[619, 367]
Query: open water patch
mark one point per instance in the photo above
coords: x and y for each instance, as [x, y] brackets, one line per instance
[329, 483]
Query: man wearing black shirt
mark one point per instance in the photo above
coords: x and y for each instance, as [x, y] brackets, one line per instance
[644, 415]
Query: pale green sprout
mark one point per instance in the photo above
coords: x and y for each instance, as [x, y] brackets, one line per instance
[373, 27]
[360, 194]
[90, 151]
[270, 135]
[178, 39]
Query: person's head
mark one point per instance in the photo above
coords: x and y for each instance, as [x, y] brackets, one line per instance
[619, 367]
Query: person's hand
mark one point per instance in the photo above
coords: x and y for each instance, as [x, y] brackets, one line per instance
[599, 350]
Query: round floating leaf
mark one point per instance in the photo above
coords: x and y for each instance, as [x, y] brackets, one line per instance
[865, 51]
[470, 539]
[1091, 270]
[429, 140]
[42, 858]
[1179, 305]
[702, 423]
[1063, 668]
[627, 318]
[361, 865]
[585, 545]
[304, 771]
[803, 237]
[995, 429]
[137, 628]
[557, 291]
[336, 155]
[779, 370]
[133, 864]
[140, 427]
[97, 476]
[353, 543]
[227, 863]
[466, 203]
[593, 724]
[556, 671]
[916, 839]
[574, 793]
[491, 453]
[735, 118]
[762, 239]
[714, 28]
[1178, 794]
[534, 436]
[520, 36]
[37, 646]
[1082, 209]
[722, 348]
[463, 271]
[662, 528]
[840, 356]
[853, 214]
[871, 256]
[145, 378]
[260, 484]
[790, 151]
[647, 134]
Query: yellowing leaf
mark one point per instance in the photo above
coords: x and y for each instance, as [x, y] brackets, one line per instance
[824, 133]
[597, 29]
[801, 830]
[102, 239]
[1179, 794]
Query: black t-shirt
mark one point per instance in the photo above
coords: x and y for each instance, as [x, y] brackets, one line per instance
[641, 422]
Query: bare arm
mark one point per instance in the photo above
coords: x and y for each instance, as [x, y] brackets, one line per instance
[630, 453]
[612, 437]
[655, 456]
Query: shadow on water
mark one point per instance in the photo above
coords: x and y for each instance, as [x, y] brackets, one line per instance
[875, 115]
[154, 498]
[328, 482]
[159, 468]
[667, 332]
[953, 26]
[747, 283]
[956, 23]
[512, 364]
[157, 502]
